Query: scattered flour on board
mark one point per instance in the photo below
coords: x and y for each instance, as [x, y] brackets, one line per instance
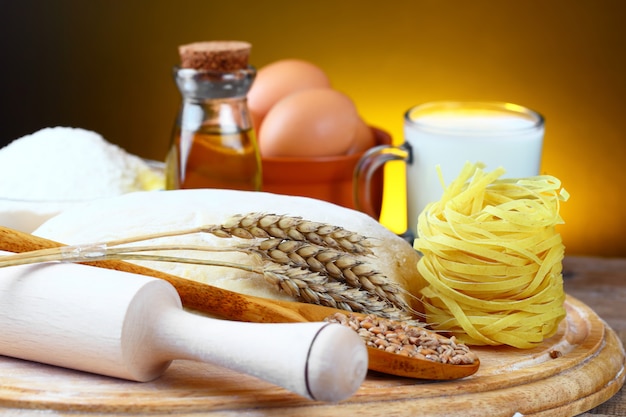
[63, 163]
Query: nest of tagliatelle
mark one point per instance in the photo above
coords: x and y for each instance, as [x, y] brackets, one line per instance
[492, 258]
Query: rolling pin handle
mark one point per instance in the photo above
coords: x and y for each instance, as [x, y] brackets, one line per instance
[320, 361]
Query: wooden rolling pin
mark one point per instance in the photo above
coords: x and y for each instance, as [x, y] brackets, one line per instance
[132, 326]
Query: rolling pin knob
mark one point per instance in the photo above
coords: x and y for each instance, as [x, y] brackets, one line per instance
[337, 364]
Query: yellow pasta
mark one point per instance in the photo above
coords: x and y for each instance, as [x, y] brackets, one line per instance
[492, 258]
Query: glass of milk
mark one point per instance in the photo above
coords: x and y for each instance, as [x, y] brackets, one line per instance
[448, 134]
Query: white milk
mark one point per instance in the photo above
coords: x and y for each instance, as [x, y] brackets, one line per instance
[450, 138]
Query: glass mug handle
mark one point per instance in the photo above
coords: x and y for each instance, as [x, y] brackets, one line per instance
[367, 165]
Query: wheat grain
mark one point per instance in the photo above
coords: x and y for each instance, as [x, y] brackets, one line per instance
[405, 339]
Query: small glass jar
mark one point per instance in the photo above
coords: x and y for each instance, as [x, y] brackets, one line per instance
[213, 141]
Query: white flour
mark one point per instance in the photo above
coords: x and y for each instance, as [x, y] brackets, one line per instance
[56, 168]
[63, 163]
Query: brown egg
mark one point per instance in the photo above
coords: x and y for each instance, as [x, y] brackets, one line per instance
[279, 79]
[309, 123]
[363, 139]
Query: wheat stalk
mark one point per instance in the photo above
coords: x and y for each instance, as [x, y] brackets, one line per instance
[312, 262]
[337, 266]
[316, 288]
[260, 225]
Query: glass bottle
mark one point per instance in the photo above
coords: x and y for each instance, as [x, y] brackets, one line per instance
[213, 142]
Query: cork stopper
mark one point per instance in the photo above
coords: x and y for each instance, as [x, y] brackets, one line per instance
[215, 55]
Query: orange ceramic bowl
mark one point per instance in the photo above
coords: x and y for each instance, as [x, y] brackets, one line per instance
[323, 178]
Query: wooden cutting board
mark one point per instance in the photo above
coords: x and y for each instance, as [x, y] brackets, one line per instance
[573, 371]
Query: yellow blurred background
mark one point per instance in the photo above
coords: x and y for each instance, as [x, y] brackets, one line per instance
[105, 65]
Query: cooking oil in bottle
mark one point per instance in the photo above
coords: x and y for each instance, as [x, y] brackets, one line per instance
[213, 142]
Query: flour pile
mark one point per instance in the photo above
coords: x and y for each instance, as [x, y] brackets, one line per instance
[55, 168]
[63, 163]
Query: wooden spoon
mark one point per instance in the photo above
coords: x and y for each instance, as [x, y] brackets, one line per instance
[235, 306]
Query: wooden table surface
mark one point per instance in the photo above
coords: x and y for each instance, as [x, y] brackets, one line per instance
[601, 284]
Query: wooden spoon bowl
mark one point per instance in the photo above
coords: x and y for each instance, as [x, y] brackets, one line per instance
[231, 305]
